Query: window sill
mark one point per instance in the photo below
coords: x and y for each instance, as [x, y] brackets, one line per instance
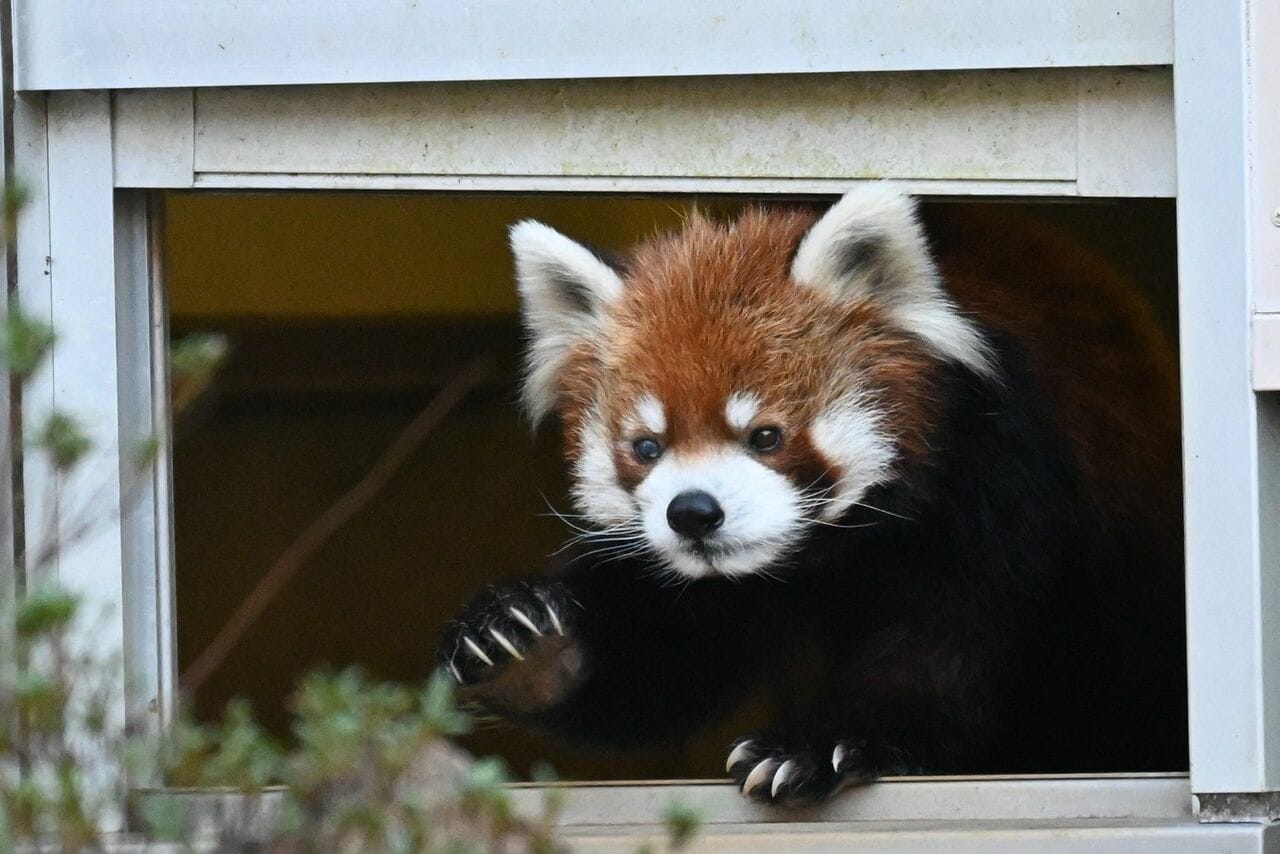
[1062, 813]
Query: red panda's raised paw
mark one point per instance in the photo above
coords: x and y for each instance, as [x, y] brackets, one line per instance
[512, 649]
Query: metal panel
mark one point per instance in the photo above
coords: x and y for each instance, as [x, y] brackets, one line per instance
[1024, 133]
[34, 294]
[10, 462]
[908, 799]
[1088, 815]
[160, 43]
[1182, 837]
[1264, 149]
[81, 224]
[153, 138]
[995, 126]
[1232, 569]
[1084, 837]
[146, 522]
[85, 379]
[1266, 353]
[1126, 133]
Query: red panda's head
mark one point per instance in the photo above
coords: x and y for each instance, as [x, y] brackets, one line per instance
[733, 385]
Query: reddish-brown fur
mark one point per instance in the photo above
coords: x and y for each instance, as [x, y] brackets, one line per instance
[711, 310]
[1020, 612]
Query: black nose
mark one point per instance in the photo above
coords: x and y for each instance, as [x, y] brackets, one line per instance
[694, 514]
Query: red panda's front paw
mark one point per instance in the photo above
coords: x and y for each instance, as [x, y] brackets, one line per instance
[513, 649]
[780, 770]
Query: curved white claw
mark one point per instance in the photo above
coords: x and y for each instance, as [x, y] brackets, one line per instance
[555, 619]
[477, 651]
[763, 771]
[784, 773]
[523, 618]
[837, 756]
[453, 668]
[736, 755]
[506, 644]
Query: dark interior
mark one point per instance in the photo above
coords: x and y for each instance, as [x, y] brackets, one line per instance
[344, 314]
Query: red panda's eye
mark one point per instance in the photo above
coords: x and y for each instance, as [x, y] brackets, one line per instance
[765, 440]
[647, 449]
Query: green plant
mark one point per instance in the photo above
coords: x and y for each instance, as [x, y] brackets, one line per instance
[370, 768]
[58, 741]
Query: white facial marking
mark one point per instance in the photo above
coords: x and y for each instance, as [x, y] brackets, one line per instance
[850, 434]
[652, 418]
[763, 512]
[596, 490]
[740, 409]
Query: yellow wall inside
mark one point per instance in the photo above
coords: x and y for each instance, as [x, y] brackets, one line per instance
[297, 256]
[313, 255]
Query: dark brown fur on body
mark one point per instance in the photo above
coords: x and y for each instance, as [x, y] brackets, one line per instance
[1003, 594]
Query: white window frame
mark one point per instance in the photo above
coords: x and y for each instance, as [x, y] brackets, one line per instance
[92, 152]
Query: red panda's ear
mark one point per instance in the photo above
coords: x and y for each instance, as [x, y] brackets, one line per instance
[565, 291]
[870, 246]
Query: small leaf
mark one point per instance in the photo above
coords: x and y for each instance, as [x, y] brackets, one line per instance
[64, 440]
[439, 708]
[163, 817]
[46, 610]
[15, 199]
[40, 699]
[26, 342]
[196, 355]
[146, 451]
[682, 823]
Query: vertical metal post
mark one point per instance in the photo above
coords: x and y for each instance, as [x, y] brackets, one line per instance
[146, 512]
[1231, 435]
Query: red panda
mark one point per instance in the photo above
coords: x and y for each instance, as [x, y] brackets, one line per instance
[938, 459]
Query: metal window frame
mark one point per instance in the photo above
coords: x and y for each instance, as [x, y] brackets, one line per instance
[273, 42]
[85, 261]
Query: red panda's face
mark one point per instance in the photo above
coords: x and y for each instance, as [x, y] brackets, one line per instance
[739, 384]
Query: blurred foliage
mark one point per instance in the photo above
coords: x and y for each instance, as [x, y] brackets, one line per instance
[682, 822]
[26, 343]
[370, 767]
[60, 745]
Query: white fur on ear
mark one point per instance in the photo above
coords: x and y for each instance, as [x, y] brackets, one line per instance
[871, 246]
[565, 291]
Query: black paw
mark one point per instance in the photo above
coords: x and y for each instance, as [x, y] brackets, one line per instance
[513, 649]
[778, 770]
[857, 761]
